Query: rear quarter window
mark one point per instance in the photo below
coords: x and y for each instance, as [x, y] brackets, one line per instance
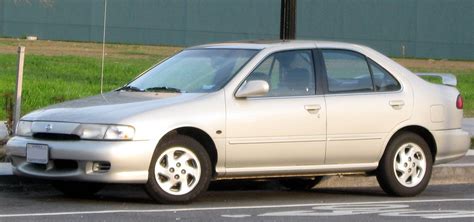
[383, 80]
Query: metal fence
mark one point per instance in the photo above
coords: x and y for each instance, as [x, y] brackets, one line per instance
[170, 22]
[411, 28]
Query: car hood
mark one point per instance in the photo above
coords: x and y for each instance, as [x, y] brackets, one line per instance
[112, 107]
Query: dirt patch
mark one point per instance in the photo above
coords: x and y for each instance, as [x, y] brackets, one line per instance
[60, 48]
[55, 48]
[431, 64]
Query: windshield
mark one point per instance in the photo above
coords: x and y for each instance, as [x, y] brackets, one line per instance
[192, 71]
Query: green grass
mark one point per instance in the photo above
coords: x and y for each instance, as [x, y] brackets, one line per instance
[432, 79]
[53, 79]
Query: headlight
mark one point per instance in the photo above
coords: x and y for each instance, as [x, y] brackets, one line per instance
[104, 132]
[91, 131]
[23, 128]
[119, 133]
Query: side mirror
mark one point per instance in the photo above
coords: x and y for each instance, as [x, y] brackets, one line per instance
[253, 88]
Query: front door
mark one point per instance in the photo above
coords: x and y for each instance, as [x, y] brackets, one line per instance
[285, 128]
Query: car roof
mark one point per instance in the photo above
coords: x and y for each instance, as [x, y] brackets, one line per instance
[262, 44]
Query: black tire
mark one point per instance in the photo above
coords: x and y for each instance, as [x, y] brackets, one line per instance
[160, 195]
[301, 183]
[386, 175]
[77, 189]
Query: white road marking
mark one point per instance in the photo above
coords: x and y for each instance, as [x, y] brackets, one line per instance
[432, 214]
[236, 215]
[225, 208]
[391, 210]
[342, 210]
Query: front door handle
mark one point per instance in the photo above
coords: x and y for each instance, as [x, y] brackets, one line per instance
[313, 109]
[397, 104]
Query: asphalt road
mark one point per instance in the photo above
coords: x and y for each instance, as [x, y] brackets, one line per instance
[241, 201]
[337, 199]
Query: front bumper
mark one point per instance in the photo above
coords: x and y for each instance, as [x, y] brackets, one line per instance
[451, 144]
[129, 160]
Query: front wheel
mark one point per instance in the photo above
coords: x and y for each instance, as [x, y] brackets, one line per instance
[179, 172]
[405, 167]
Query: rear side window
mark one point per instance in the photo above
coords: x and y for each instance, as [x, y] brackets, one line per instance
[347, 71]
[383, 80]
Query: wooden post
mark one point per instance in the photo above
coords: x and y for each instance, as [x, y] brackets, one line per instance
[19, 84]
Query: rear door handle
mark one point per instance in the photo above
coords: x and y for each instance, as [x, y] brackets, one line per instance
[312, 108]
[397, 104]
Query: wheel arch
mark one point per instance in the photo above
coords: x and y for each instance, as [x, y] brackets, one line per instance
[200, 136]
[420, 131]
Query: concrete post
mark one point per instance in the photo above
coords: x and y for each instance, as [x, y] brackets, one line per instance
[19, 85]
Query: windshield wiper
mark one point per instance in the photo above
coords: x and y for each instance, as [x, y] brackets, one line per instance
[162, 89]
[130, 88]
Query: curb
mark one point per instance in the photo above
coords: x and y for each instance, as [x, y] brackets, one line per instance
[468, 125]
[470, 152]
[440, 176]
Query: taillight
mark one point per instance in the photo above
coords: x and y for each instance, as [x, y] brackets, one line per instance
[459, 102]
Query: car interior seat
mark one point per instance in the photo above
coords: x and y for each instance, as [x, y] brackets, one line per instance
[298, 82]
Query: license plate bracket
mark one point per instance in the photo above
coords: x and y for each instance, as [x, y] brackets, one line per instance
[37, 153]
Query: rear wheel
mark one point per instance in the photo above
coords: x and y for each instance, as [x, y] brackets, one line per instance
[77, 189]
[301, 183]
[405, 168]
[179, 172]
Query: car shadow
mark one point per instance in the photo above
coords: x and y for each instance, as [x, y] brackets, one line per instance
[219, 191]
[242, 190]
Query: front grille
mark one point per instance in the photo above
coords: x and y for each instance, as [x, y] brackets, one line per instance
[57, 165]
[55, 136]
[65, 164]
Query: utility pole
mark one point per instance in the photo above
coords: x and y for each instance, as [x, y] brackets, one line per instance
[288, 19]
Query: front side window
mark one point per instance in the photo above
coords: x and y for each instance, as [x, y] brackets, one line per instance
[289, 73]
[194, 71]
[347, 71]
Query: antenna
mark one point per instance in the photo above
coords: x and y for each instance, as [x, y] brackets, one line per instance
[103, 49]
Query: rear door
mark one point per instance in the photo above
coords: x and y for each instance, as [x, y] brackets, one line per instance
[364, 103]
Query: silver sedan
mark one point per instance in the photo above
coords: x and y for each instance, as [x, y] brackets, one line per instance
[288, 110]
